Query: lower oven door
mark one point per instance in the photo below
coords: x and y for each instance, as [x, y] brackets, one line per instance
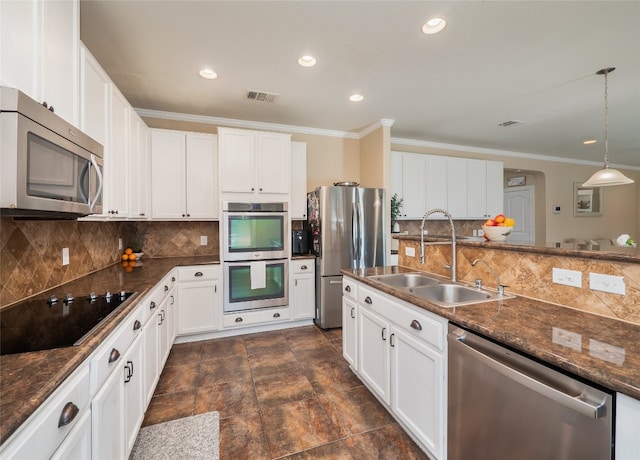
[252, 285]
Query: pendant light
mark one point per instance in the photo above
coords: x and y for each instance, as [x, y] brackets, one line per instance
[606, 176]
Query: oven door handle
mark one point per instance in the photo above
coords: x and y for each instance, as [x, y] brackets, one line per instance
[592, 410]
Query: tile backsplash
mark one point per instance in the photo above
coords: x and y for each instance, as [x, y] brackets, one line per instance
[31, 250]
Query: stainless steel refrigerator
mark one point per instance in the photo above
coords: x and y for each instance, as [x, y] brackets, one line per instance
[348, 231]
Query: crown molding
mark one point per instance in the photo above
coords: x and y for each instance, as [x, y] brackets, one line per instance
[245, 124]
[386, 122]
[504, 153]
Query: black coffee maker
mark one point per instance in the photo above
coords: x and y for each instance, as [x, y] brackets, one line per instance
[300, 242]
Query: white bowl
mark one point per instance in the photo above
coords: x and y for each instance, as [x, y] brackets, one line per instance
[497, 233]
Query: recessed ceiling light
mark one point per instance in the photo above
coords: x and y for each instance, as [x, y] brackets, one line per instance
[307, 61]
[208, 74]
[356, 97]
[590, 141]
[434, 25]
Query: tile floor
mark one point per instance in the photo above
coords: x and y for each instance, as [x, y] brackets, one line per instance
[284, 394]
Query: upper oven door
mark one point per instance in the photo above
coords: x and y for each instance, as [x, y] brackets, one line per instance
[255, 235]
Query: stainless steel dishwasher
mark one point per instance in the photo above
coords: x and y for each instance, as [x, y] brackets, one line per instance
[503, 405]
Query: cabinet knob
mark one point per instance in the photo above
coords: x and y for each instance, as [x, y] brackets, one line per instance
[166, 288]
[152, 305]
[114, 356]
[184, 215]
[260, 188]
[173, 279]
[69, 412]
[347, 288]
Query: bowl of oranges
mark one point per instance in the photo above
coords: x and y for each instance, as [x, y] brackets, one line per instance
[499, 228]
[130, 259]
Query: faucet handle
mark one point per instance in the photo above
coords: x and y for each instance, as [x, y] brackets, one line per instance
[478, 283]
[501, 289]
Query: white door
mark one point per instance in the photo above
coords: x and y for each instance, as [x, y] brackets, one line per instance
[349, 331]
[519, 204]
[373, 334]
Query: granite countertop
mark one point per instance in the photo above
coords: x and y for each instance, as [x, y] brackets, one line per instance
[613, 253]
[28, 379]
[608, 352]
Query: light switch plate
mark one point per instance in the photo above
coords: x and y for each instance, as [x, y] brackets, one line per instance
[567, 277]
[607, 283]
[65, 256]
[411, 252]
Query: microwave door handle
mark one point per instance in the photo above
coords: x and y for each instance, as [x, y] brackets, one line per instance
[99, 191]
[81, 189]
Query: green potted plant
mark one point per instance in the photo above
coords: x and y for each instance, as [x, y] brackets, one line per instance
[396, 205]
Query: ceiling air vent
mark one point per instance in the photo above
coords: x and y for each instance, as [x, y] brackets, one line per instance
[261, 96]
[506, 124]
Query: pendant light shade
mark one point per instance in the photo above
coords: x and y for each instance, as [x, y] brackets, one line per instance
[606, 176]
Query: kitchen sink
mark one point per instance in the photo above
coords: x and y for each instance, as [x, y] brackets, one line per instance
[438, 291]
[405, 280]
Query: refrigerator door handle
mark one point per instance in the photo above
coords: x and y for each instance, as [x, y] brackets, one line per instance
[354, 234]
[357, 230]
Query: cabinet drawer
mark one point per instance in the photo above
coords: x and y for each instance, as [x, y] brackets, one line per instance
[198, 273]
[418, 323]
[111, 352]
[349, 288]
[41, 435]
[251, 318]
[303, 266]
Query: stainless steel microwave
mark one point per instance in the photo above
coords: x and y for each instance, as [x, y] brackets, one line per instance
[48, 168]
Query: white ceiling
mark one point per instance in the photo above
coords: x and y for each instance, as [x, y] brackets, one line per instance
[533, 61]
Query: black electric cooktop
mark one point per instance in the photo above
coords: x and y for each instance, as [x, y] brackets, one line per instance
[42, 324]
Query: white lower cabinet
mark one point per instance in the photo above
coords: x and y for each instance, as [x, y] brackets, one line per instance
[107, 433]
[77, 445]
[399, 353]
[303, 288]
[627, 431]
[200, 293]
[134, 406]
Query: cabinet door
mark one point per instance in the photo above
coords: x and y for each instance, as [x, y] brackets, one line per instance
[19, 46]
[413, 186]
[60, 57]
[94, 98]
[298, 208]
[476, 189]
[133, 381]
[117, 158]
[273, 158]
[107, 433]
[198, 309]
[373, 335]
[167, 174]
[201, 176]
[164, 331]
[396, 177]
[627, 423]
[417, 389]
[237, 164]
[495, 188]
[436, 184]
[139, 167]
[304, 295]
[350, 331]
[151, 369]
[457, 187]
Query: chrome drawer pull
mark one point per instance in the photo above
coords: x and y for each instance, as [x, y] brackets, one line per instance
[69, 412]
[368, 300]
[114, 356]
[416, 325]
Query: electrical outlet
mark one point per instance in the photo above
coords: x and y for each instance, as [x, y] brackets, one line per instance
[65, 256]
[567, 277]
[607, 283]
[411, 252]
[566, 338]
[120, 244]
[203, 240]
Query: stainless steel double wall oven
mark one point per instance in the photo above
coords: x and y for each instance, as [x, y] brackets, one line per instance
[255, 255]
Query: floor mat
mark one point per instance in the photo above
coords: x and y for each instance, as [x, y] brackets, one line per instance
[196, 437]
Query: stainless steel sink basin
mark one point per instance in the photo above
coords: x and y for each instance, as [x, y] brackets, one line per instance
[405, 280]
[455, 295]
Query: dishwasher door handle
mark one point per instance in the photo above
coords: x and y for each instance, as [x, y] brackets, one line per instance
[592, 410]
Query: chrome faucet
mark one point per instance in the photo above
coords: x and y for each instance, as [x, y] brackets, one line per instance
[454, 264]
[479, 281]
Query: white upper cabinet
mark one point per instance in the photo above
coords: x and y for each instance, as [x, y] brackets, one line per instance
[254, 163]
[94, 98]
[39, 52]
[298, 181]
[139, 167]
[183, 175]
[116, 169]
[467, 188]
